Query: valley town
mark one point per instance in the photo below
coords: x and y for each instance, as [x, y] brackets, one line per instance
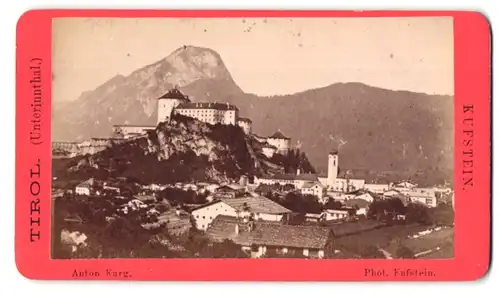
[201, 184]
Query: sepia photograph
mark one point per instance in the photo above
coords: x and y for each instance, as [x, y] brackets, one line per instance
[316, 138]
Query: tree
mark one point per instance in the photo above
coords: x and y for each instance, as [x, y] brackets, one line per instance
[333, 204]
[293, 160]
[372, 252]
[179, 196]
[442, 215]
[300, 203]
[385, 210]
[417, 213]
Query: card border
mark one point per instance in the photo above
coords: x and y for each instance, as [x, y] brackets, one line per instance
[472, 55]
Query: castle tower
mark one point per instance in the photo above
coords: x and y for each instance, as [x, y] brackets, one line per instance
[333, 168]
[167, 104]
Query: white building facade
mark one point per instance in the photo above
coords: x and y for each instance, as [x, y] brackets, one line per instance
[209, 112]
[260, 208]
[83, 189]
[203, 216]
[280, 141]
[245, 124]
[168, 102]
[315, 189]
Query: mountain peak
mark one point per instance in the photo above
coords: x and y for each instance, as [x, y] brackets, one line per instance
[198, 62]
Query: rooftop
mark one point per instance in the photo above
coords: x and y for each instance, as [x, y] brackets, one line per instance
[244, 119]
[357, 202]
[230, 187]
[419, 193]
[279, 135]
[269, 233]
[269, 146]
[310, 185]
[257, 205]
[334, 152]
[174, 94]
[207, 105]
[293, 177]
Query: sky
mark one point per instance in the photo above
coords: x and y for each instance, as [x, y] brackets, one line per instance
[264, 56]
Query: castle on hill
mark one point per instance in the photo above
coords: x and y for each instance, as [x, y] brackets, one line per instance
[175, 102]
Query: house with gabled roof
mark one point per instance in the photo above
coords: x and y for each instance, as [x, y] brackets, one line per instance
[280, 141]
[85, 188]
[405, 185]
[261, 238]
[315, 189]
[260, 208]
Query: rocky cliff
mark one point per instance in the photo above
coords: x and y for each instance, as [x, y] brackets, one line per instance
[182, 150]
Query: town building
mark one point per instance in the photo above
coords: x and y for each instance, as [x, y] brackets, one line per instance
[315, 189]
[260, 208]
[366, 197]
[131, 131]
[313, 217]
[391, 193]
[259, 139]
[209, 112]
[176, 222]
[168, 102]
[65, 149]
[261, 238]
[334, 214]
[361, 206]
[229, 191]
[377, 188]
[146, 198]
[297, 180]
[405, 185]
[332, 182]
[85, 188]
[425, 197]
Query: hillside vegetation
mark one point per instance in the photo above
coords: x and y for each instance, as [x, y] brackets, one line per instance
[182, 150]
